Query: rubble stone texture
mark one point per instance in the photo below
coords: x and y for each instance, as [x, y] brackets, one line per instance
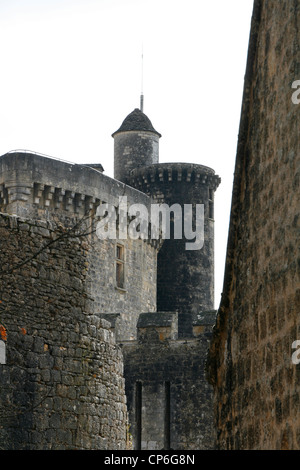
[83, 349]
[257, 386]
[66, 285]
[62, 386]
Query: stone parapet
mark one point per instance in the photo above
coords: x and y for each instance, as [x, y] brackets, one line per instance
[168, 172]
[160, 325]
[31, 182]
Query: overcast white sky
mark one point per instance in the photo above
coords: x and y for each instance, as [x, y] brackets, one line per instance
[71, 73]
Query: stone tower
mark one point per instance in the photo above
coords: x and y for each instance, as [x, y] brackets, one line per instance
[185, 276]
[168, 397]
[136, 144]
[185, 266]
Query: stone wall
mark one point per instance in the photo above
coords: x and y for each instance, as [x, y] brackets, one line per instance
[185, 275]
[132, 150]
[169, 399]
[61, 377]
[42, 188]
[139, 289]
[136, 144]
[257, 387]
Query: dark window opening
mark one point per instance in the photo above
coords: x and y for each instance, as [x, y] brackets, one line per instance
[120, 267]
[138, 414]
[211, 204]
[167, 437]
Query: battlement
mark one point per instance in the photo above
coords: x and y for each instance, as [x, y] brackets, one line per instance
[30, 182]
[163, 326]
[158, 325]
[174, 172]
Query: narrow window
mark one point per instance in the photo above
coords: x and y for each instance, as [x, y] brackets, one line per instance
[120, 277]
[138, 414]
[2, 352]
[167, 439]
[211, 203]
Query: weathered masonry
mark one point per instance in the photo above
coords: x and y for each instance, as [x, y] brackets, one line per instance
[108, 343]
[100, 331]
[256, 382]
[61, 380]
[169, 400]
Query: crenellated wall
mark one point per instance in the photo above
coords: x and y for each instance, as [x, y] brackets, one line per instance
[185, 277]
[38, 186]
[68, 195]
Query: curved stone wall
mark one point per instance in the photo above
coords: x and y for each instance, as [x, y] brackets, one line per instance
[61, 378]
[185, 277]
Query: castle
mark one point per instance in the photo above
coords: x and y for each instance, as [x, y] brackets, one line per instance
[114, 343]
[152, 294]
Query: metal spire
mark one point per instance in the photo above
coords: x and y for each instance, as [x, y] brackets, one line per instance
[142, 84]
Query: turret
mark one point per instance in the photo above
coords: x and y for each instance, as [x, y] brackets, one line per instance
[185, 278]
[136, 144]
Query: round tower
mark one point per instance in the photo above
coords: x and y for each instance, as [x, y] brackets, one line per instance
[136, 144]
[185, 277]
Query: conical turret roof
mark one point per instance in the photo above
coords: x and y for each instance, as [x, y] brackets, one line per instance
[136, 121]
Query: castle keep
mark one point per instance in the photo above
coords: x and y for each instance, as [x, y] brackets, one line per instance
[106, 337]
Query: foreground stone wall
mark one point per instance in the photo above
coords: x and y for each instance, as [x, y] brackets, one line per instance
[257, 386]
[61, 372]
